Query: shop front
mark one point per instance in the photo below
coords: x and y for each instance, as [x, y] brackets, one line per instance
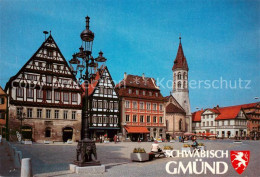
[137, 133]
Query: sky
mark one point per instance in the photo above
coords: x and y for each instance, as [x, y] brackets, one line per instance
[220, 40]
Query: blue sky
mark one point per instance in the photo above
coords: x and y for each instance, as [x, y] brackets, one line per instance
[220, 39]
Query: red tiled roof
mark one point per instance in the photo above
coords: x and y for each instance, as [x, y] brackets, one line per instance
[180, 60]
[171, 108]
[138, 82]
[229, 112]
[196, 116]
[137, 130]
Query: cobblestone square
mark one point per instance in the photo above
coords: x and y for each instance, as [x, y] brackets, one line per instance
[54, 160]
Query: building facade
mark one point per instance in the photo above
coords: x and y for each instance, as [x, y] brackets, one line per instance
[45, 98]
[180, 85]
[3, 113]
[104, 104]
[175, 118]
[253, 113]
[225, 122]
[142, 108]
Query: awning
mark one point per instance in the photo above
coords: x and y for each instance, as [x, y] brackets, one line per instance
[137, 130]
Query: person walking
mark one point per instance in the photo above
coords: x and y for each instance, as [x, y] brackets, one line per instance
[115, 138]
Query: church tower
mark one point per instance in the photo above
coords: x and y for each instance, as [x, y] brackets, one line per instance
[180, 84]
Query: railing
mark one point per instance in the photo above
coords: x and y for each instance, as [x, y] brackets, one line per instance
[144, 124]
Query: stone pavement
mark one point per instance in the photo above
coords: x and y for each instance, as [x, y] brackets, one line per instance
[53, 160]
[6, 163]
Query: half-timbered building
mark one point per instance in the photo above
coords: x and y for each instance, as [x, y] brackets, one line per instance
[46, 96]
[104, 112]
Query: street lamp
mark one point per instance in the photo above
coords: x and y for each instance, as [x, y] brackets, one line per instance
[80, 62]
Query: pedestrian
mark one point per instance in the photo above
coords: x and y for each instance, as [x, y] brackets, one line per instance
[115, 138]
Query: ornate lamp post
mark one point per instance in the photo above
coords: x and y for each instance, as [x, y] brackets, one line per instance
[83, 61]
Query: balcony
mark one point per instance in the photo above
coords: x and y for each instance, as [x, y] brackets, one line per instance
[144, 124]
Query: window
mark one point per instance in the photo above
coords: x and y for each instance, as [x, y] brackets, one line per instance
[179, 84]
[203, 124]
[57, 96]
[31, 77]
[207, 123]
[134, 118]
[179, 75]
[154, 106]
[65, 96]
[184, 75]
[228, 122]
[39, 113]
[161, 107]
[156, 94]
[2, 100]
[73, 116]
[150, 94]
[127, 104]
[143, 92]
[48, 113]
[74, 97]
[58, 67]
[137, 92]
[50, 53]
[154, 119]
[19, 92]
[94, 103]
[65, 114]
[141, 105]
[141, 118]
[49, 79]
[135, 105]
[56, 115]
[148, 106]
[130, 91]
[101, 90]
[29, 112]
[29, 93]
[211, 123]
[2, 115]
[48, 66]
[161, 120]
[19, 112]
[47, 133]
[48, 94]
[40, 64]
[127, 118]
[39, 94]
[148, 119]
[180, 124]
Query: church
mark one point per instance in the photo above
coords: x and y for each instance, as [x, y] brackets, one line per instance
[178, 113]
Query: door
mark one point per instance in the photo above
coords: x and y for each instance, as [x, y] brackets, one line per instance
[67, 134]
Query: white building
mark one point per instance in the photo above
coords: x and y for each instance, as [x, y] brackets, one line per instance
[224, 122]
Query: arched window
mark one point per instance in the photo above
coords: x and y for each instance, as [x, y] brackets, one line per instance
[184, 84]
[179, 75]
[184, 75]
[180, 124]
[179, 84]
[48, 132]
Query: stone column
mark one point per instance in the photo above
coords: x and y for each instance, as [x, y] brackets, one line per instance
[26, 168]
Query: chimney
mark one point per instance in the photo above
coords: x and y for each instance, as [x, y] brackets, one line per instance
[143, 76]
[125, 75]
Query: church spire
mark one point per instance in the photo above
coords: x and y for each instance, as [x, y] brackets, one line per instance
[180, 60]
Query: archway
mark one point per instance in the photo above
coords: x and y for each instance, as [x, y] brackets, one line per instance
[67, 134]
[26, 132]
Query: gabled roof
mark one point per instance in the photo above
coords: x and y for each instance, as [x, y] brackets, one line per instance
[196, 116]
[138, 82]
[229, 112]
[95, 82]
[49, 39]
[180, 60]
[171, 108]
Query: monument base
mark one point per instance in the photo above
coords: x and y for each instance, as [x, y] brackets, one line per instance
[85, 164]
[87, 169]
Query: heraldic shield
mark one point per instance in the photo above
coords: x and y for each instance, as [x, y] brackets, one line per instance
[240, 160]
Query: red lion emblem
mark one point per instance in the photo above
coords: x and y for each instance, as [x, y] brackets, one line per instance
[240, 160]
